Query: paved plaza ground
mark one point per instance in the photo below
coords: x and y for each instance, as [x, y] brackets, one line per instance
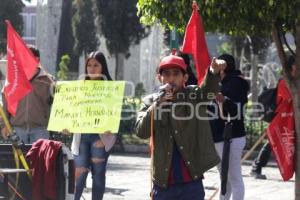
[128, 178]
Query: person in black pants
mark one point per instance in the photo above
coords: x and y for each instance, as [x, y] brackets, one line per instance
[265, 153]
[261, 161]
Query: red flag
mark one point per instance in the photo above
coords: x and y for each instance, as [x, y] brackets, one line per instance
[21, 66]
[281, 132]
[22, 54]
[194, 43]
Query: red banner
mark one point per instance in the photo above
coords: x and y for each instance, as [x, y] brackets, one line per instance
[21, 66]
[281, 132]
[194, 43]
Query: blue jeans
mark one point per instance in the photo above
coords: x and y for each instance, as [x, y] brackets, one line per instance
[32, 135]
[184, 191]
[88, 151]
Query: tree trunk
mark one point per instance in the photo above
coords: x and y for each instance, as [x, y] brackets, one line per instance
[117, 66]
[241, 58]
[238, 47]
[296, 103]
[119, 71]
[254, 89]
[296, 99]
[279, 47]
[294, 85]
[254, 69]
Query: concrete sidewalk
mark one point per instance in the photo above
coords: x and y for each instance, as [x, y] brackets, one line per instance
[128, 177]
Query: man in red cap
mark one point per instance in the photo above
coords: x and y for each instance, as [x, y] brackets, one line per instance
[181, 142]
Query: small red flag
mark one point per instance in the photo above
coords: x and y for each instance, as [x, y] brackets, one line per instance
[21, 66]
[194, 43]
[281, 132]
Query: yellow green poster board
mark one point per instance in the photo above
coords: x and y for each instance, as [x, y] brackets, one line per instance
[87, 106]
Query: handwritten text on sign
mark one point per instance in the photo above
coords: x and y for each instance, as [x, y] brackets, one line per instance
[87, 106]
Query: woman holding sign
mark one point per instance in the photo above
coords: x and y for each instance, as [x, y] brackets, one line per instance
[91, 151]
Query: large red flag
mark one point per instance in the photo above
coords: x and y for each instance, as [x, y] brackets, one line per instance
[22, 54]
[21, 66]
[281, 132]
[194, 43]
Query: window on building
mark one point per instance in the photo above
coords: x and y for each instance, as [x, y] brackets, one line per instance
[29, 28]
[33, 25]
[25, 25]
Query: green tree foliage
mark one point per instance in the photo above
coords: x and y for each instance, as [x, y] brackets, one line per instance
[120, 25]
[232, 17]
[66, 39]
[62, 74]
[10, 9]
[225, 47]
[84, 28]
[218, 16]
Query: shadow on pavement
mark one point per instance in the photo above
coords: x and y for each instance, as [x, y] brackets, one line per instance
[114, 166]
[115, 191]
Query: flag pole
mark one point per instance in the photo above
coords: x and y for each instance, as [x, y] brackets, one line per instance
[262, 137]
[194, 43]
[15, 142]
[5, 120]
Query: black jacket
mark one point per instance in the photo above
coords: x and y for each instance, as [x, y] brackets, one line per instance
[235, 89]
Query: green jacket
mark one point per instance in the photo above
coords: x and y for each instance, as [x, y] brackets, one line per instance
[192, 135]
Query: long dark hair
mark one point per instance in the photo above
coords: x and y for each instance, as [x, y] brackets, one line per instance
[230, 62]
[99, 56]
[192, 80]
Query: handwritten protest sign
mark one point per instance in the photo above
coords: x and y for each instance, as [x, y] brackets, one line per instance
[87, 106]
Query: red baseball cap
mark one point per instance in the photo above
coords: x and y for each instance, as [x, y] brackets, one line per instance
[172, 61]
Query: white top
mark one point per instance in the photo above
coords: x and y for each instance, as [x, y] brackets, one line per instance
[108, 141]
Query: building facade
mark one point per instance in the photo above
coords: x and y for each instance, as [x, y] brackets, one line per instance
[29, 19]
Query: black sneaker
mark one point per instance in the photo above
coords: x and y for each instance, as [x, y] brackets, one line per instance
[261, 176]
[257, 175]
